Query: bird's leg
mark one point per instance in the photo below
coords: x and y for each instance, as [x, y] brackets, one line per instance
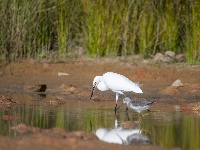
[126, 110]
[127, 114]
[140, 121]
[122, 101]
[91, 127]
[115, 111]
[117, 96]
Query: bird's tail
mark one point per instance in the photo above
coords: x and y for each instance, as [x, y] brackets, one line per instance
[137, 90]
[150, 103]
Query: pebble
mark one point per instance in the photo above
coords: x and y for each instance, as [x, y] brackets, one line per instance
[180, 58]
[177, 83]
[169, 57]
[161, 58]
[170, 54]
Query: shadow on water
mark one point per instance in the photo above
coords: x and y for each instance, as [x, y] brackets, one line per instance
[159, 127]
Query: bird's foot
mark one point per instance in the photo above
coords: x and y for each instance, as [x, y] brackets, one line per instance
[115, 109]
[126, 110]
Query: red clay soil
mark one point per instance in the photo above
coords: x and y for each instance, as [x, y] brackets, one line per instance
[156, 80]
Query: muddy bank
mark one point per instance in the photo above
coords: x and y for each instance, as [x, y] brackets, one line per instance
[155, 79]
[60, 139]
[75, 83]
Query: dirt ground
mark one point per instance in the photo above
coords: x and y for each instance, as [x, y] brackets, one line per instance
[156, 81]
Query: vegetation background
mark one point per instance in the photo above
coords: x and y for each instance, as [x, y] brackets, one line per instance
[36, 28]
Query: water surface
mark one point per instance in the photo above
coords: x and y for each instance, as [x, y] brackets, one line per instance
[169, 128]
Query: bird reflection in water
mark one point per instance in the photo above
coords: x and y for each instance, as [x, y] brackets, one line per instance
[120, 135]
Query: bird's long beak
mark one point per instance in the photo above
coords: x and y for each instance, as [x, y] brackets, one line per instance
[93, 90]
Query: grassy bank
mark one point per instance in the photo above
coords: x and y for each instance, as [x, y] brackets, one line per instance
[105, 27]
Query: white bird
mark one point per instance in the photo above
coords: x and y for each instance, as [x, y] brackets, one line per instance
[116, 83]
[139, 105]
[120, 135]
[116, 135]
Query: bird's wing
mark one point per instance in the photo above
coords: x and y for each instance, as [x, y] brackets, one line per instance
[141, 103]
[136, 103]
[117, 82]
[150, 103]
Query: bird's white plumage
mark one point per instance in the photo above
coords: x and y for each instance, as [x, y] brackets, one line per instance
[116, 135]
[139, 105]
[102, 86]
[121, 135]
[116, 83]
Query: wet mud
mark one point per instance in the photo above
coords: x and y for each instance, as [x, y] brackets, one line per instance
[28, 81]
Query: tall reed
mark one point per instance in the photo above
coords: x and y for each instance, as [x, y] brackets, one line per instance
[146, 31]
[69, 25]
[106, 27]
[192, 41]
[103, 27]
[24, 29]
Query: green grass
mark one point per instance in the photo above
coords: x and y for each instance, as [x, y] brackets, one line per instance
[102, 28]
[193, 34]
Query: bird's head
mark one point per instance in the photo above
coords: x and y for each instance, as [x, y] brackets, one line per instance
[127, 100]
[96, 81]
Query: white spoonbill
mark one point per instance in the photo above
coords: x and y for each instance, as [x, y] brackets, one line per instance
[116, 83]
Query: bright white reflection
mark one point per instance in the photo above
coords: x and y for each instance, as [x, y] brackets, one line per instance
[121, 135]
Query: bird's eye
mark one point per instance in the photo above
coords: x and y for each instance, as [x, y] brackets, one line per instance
[95, 83]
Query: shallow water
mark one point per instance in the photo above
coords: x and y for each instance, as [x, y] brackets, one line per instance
[164, 127]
